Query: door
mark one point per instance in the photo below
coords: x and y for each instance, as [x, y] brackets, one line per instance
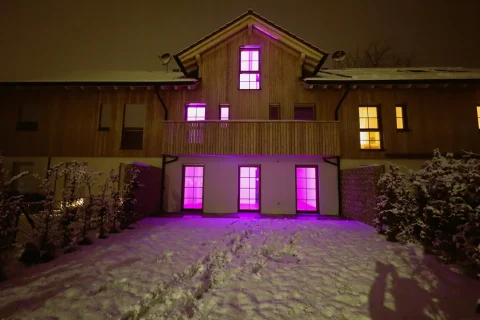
[249, 188]
[306, 188]
[192, 187]
[195, 112]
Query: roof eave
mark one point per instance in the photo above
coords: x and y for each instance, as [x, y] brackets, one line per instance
[100, 83]
[389, 81]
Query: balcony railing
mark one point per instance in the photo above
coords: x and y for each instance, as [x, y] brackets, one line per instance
[251, 137]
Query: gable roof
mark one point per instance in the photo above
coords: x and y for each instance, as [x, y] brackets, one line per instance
[395, 75]
[314, 57]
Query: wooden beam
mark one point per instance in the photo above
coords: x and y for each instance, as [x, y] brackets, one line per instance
[302, 58]
[198, 58]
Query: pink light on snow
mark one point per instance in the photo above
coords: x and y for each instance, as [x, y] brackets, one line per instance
[249, 189]
[306, 189]
[193, 187]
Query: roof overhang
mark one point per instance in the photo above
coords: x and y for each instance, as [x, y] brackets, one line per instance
[313, 59]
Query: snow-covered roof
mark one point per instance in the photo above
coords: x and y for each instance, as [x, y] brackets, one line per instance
[111, 77]
[359, 75]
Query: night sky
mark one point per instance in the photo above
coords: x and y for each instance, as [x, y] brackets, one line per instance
[46, 37]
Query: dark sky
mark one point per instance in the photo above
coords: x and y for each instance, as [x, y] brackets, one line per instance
[51, 36]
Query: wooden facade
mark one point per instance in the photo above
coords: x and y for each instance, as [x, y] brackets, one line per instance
[439, 117]
[310, 138]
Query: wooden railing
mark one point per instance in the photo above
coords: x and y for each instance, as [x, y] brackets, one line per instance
[249, 137]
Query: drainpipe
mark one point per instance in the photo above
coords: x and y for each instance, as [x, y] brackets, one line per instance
[339, 180]
[164, 156]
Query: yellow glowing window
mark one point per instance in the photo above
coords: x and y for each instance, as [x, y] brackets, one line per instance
[369, 128]
[478, 116]
[400, 117]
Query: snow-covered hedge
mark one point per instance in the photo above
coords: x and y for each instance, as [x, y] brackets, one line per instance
[437, 206]
[64, 223]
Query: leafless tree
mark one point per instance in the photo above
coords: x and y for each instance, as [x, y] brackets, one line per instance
[375, 55]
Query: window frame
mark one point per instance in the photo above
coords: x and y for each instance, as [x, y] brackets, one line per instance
[25, 125]
[477, 109]
[132, 129]
[380, 126]
[404, 117]
[312, 106]
[272, 106]
[221, 106]
[259, 187]
[259, 72]
[317, 195]
[100, 128]
[182, 204]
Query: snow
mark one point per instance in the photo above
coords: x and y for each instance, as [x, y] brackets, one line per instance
[108, 76]
[221, 268]
[413, 73]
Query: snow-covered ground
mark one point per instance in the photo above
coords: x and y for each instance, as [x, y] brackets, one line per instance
[194, 268]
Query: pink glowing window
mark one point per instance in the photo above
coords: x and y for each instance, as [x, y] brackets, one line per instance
[195, 112]
[250, 68]
[306, 186]
[192, 188]
[224, 114]
[249, 188]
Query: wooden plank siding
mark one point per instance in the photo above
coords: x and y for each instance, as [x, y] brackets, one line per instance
[69, 119]
[442, 118]
[236, 137]
[437, 117]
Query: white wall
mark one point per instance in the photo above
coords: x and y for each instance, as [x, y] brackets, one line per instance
[277, 183]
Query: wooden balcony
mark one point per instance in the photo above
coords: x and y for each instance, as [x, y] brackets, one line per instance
[249, 137]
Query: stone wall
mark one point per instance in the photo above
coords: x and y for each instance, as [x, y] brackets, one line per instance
[359, 189]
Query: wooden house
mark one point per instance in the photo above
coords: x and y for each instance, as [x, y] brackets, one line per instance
[251, 122]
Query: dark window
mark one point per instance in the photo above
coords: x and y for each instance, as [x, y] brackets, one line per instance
[133, 125]
[304, 113]
[28, 118]
[274, 112]
[105, 117]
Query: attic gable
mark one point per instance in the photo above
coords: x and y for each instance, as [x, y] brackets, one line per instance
[313, 58]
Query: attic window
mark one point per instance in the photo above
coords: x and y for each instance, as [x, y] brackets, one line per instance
[28, 118]
[249, 68]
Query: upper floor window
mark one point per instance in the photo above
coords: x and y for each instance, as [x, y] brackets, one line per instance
[133, 125]
[250, 67]
[274, 112]
[401, 117]
[224, 112]
[105, 117]
[369, 128]
[28, 117]
[478, 116]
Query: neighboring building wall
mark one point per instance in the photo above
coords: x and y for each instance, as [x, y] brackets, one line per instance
[359, 189]
[405, 164]
[278, 194]
[98, 164]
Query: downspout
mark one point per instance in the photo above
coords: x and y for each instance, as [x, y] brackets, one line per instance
[339, 180]
[164, 156]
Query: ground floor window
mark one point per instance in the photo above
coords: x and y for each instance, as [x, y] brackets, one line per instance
[249, 188]
[192, 187]
[306, 187]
